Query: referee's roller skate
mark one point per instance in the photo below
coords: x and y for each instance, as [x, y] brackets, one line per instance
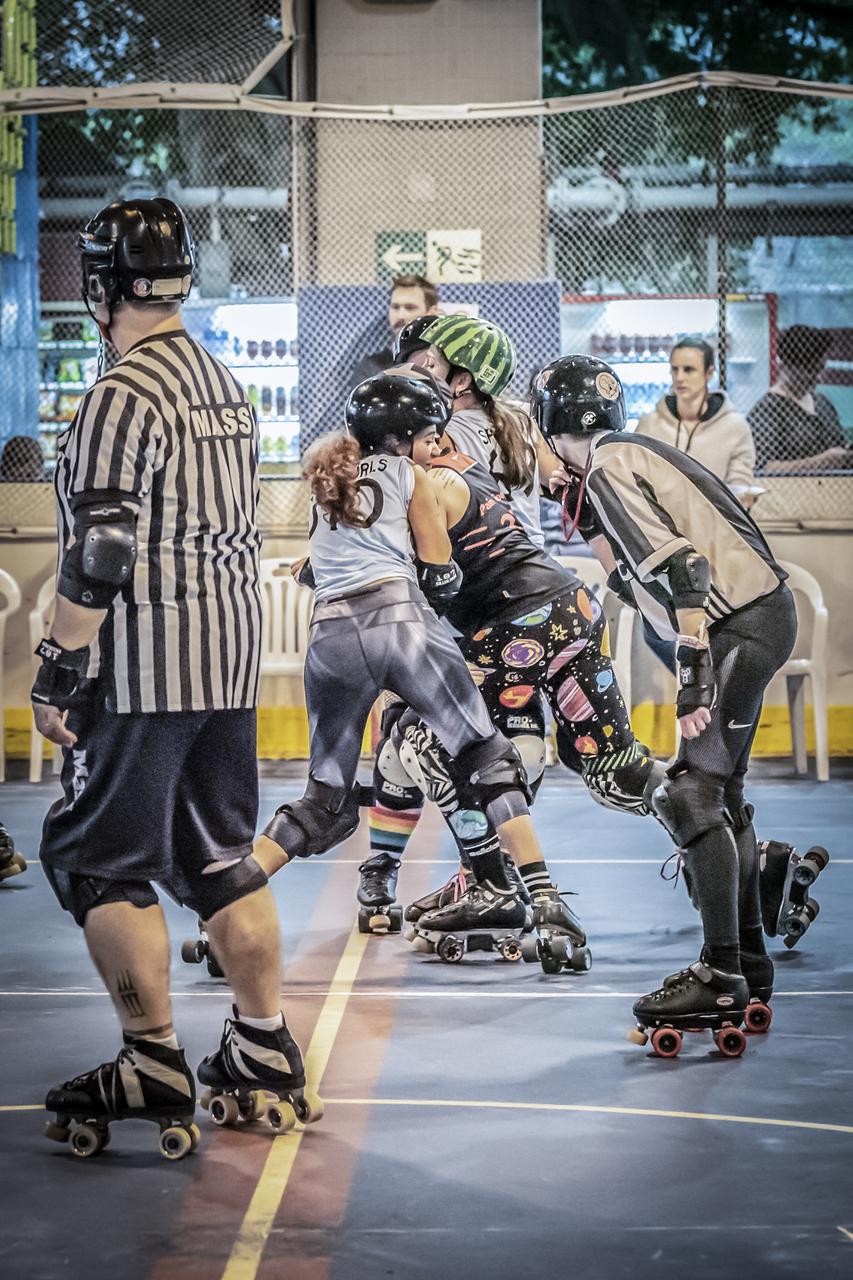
[560, 940]
[785, 881]
[197, 950]
[484, 918]
[451, 891]
[147, 1081]
[257, 1075]
[12, 863]
[758, 972]
[699, 998]
[379, 912]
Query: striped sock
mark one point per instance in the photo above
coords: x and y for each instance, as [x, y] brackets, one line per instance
[536, 878]
[390, 829]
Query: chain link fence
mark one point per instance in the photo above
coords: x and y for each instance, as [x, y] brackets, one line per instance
[612, 225]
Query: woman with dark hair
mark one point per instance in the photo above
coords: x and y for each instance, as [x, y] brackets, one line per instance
[702, 422]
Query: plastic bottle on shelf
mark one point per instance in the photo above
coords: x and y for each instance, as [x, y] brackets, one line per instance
[294, 400]
[254, 399]
[294, 349]
[280, 349]
[266, 401]
[252, 348]
[266, 349]
[237, 347]
[280, 402]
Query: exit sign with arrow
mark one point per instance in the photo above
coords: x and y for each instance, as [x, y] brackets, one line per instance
[443, 256]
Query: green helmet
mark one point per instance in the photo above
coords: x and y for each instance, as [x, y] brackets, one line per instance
[476, 345]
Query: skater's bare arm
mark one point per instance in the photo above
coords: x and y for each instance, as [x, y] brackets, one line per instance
[427, 522]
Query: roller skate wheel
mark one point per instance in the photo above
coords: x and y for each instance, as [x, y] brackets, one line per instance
[85, 1141]
[637, 1036]
[581, 960]
[410, 933]
[175, 1143]
[257, 1106]
[423, 945]
[758, 1017]
[395, 917]
[310, 1108]
[666, 1042]
[281, 1117]
[364, 918]
[730, 1041]
[195, 1134]
[19, 862]
[530, 950]
[379, 922]
[56, 1132]
[450, 949]
[224, 1110]
[510, 949]
[193, 951]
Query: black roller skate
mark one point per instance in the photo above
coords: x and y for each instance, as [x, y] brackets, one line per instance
[147, 1081]
[196, 950]
[784, 883]
[257, 1075]
[484, 918]
[379, 912]
[11, 862]
[560, 941]
[697, 999]
[451, 891]
[758, 972]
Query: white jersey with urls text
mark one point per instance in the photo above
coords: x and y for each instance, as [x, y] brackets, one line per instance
[348, 558]
[472, 432]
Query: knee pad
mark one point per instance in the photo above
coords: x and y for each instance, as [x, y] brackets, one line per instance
[688, 805]
[213, 890]
[79, 894]
[393, 786]
[740, 812]
[488, 769]
[531, 749]
[624, 780]
[324, 816]
[425, 761]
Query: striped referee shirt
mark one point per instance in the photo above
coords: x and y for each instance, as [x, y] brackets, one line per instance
[652, 501]
[169, 432]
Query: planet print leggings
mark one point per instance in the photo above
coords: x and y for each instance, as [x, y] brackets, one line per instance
[560, 650]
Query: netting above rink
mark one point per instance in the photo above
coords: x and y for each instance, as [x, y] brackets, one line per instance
[614, 224]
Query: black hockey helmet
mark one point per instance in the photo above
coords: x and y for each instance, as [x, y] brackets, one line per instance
[392, 408]
[410, 339]
[577, 396]
[139, 251]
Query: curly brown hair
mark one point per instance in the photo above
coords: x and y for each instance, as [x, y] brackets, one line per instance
[331, 469]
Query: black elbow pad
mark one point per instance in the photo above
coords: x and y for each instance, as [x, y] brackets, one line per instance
[439, 583]
[102, 557]
[689, 579]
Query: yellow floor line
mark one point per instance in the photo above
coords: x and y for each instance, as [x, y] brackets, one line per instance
[475, 1105]
[249, 1246]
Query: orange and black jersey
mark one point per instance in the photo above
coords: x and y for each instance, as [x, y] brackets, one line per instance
[504, 575]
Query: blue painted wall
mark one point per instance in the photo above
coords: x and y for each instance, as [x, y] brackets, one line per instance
[19, 306]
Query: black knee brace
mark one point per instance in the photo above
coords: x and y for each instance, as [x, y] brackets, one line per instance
[688, 805]
[488, 769]
[741, 813]
[213, 890]
[79, 894]
[324, 816]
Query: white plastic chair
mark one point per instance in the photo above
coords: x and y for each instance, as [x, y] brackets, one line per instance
[11, 593]
[41, 618]
[287, 609]
[591, 571]
[810, 664]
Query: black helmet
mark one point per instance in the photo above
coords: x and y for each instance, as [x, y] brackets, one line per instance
[392, 408]
[139, 250]
[576, 396]
[410, 339]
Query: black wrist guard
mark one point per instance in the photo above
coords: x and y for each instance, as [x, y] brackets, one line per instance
[695, 678]
[59, 674]
[439, 583]
[621, 588]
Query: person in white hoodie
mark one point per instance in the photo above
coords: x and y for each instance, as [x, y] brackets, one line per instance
[702, 422]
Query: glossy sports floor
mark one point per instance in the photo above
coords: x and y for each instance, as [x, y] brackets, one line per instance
[482, 1120]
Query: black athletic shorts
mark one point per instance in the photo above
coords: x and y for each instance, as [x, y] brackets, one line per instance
[154, 795]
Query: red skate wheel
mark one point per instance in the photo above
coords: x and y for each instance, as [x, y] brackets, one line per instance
[730, 1041]
[666, 1042]
[758, 1017]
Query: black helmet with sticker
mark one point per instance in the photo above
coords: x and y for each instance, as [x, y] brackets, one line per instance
[410, 339]
[577, 396]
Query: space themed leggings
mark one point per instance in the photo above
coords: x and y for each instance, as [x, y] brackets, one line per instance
[560, 650]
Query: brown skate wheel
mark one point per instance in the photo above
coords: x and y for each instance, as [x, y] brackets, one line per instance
[758, 1017]
[510, 949]
[730, 1041]
[175, 1142]
[666, 1042]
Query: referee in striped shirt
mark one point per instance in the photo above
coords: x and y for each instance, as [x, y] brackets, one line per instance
[700, 571]
[149, 678]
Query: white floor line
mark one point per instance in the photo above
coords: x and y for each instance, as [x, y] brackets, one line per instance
[401, 993]
[556, 862]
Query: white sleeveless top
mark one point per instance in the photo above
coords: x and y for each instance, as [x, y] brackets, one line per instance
[471, 432]
[346, 559]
